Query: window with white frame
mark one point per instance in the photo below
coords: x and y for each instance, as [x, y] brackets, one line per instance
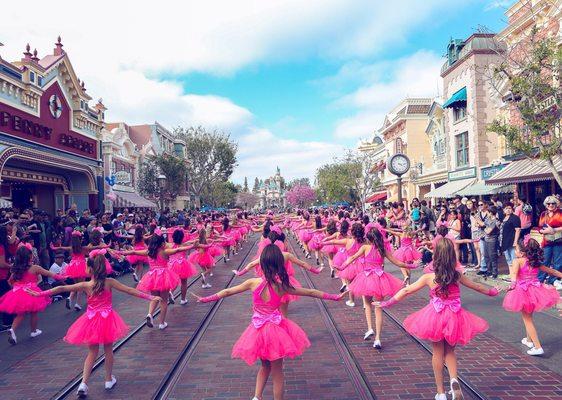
[461, 147]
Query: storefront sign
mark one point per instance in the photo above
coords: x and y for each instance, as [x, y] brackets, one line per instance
[462, 174]
[488, 172]
[122, 178]
[45, 129]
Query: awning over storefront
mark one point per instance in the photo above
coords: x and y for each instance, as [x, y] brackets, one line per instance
[5, 203]
[376, 197]
[456, 98]
[449, 189]
[132, 199]
[526, 170]
[480, 188]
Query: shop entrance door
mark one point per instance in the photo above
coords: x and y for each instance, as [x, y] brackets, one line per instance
[22, 196]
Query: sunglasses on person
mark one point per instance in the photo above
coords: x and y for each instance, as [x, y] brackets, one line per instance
[480, 204]
[551, 204]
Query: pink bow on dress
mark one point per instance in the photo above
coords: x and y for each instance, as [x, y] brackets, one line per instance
[440, 304]
[259, 320]
[526, 284]
[376, 269]
[104, 311]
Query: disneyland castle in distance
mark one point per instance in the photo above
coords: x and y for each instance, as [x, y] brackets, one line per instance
[271, 191]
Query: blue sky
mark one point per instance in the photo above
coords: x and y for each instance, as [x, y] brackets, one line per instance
[294, 82]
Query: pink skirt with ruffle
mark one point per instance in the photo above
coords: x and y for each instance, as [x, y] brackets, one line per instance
[97, 330]
[535, 298]
[376, 286]
[17, 301]
[159, 280]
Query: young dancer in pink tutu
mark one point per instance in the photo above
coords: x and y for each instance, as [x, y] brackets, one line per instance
[138, 262]
[330, 250]
[526, 294]
[443, 321]
[17, 300]
[77, 269]
[181, 265]
[406, 253]
[304, 233]
[160, 279]
[373, 283]
[318, 235]
[340, 254]
[350, 245]
[270, 337]
[100, 325]
[203, 258]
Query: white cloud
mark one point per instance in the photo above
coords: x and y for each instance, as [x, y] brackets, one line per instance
[385, 85]
[121, 48]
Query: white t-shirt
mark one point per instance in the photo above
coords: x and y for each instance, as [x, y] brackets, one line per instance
[57, 269]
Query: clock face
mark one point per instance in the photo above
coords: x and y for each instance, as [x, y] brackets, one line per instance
[55, 106]
[400, 164]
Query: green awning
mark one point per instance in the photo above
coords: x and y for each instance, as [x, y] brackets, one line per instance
[457, 97]
[481, 189]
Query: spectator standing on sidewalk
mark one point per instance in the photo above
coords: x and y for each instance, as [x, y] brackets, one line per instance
[550, 224]
[491, 231]
[510, 231]
[525, 213]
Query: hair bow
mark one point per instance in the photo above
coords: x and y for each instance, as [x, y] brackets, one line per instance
[28, 246]
[76, 233]
[526, 239]
[98, 252]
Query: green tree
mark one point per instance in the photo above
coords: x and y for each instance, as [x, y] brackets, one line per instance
[297, 182]
[174, 168]
[221, 194]
[212, 158]
[256, 187]
[529, 78]
[245, 189]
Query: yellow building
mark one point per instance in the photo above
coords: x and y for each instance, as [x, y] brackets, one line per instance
[403, 131]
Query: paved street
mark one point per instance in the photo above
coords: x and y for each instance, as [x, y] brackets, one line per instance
[338, 365]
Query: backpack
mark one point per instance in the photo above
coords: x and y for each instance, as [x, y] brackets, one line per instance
[527, 209]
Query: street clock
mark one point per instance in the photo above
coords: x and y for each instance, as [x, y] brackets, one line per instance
[399, 164]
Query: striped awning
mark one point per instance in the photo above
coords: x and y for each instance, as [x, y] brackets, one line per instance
[450, 189]
[456, 99]
[481, 189]
[132, 199]
[5, 203]
[527, 170]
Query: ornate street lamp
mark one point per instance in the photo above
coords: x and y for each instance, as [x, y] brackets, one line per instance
[161, 185]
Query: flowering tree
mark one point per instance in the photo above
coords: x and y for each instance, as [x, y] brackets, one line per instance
[301, 196]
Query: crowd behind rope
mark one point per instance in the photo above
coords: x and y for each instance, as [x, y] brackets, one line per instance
[44, 258]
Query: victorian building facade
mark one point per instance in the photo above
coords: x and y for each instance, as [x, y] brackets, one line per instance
[50, 136]
[271, 191]
[403, 131]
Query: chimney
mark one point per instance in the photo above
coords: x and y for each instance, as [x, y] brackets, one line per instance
[58, 51]
[27, 54]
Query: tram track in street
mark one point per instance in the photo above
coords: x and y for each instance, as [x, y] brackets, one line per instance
[68, 389]
[168, 384]
[468, 388]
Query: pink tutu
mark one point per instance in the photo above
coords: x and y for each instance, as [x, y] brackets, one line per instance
[339, 257]
[271, 342]
[375, 285]
[17, 301]
[407, 254]
[76, 269]
[159, 280]
[351, 271]
[96, 329]
[316, 241]
[457, 328]
[134, 259]
[203, 259]
[305, 235]
[182, 266]
[288, 298]
[530, 297]
[215, 250]
[329, 249]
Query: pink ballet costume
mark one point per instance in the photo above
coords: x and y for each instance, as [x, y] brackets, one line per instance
[355, 267]
[202, 257]
[17, 301]
[407, 253]
[99, 325]
[329, 249]
[373, 280]
[135, 259]
[160, 278]
[288, 298]
[181, 265]
[76, 269]
[316, 241]
[230, 238]
[270, 336]
[528, 294]
[445, 319]
[305, 235]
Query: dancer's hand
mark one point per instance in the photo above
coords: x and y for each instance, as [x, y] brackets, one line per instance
[198, 298]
